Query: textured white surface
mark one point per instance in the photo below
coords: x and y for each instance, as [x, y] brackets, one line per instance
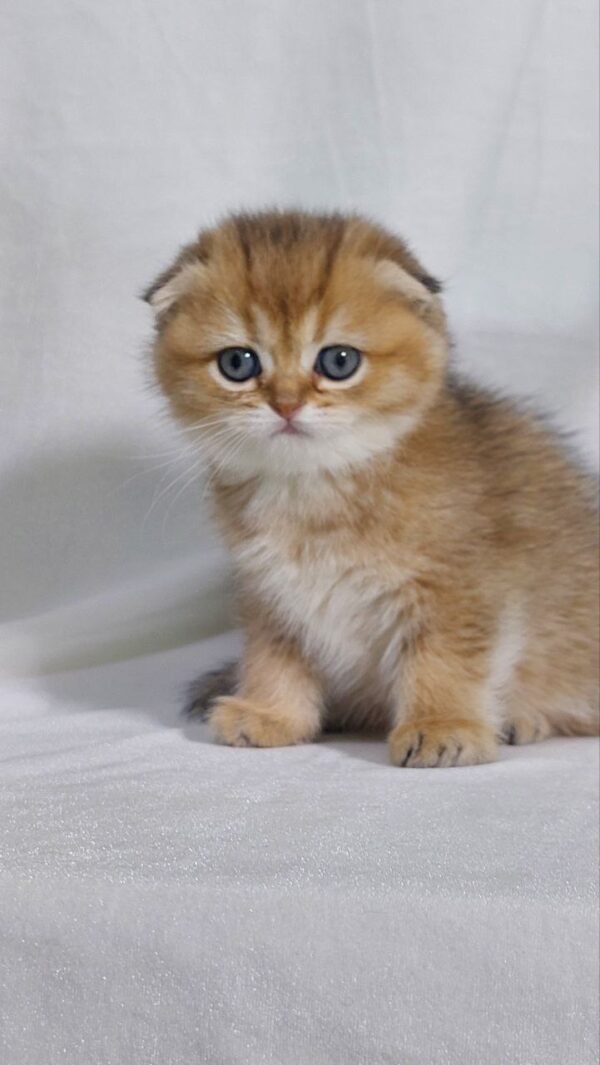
[165, 901]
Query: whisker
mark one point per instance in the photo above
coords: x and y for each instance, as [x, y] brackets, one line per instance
[188, 483]
[225, 416]
[156, 500]
[227, 430]
[229, 453]
[146, 473]
[184, 427]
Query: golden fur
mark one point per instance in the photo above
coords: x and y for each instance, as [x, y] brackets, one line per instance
[419, 555]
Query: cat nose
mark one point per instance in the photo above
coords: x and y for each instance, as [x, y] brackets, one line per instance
[286, 407]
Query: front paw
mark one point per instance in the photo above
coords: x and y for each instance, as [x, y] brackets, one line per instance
[240, 723]
[442, 743]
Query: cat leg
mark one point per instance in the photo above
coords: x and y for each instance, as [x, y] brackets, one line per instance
[443, 721]
[278, 702]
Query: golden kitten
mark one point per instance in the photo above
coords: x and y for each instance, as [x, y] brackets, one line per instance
[411, 553]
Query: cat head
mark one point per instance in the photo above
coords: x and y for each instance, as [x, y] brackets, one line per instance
[292, 342]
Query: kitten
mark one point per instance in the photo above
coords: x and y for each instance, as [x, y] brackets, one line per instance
[411, 552]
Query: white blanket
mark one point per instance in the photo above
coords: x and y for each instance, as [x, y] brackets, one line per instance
[167, 901]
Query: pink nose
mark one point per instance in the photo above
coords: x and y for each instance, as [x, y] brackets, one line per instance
[286, 408]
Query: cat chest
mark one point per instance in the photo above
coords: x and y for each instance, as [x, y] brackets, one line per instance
[347, 618]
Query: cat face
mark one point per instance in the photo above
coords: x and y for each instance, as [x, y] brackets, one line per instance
[291, 343]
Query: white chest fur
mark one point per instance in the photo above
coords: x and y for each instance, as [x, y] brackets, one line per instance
[350, 621]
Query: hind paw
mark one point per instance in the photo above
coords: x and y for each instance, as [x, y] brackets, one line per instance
[526, 729]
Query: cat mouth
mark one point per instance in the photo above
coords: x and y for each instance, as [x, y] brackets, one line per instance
[290, 430]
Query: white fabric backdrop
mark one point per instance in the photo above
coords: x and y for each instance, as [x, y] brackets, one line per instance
[470, 127]
[164, 901]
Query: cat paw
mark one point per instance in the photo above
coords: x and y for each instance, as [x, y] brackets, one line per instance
[442, 743]
[240, 723]
[526, 729]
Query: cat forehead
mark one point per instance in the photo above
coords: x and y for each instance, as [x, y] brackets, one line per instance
[308, 326]
[267, 332]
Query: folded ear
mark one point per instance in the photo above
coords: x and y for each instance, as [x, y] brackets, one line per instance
[417, 290]
[178, 279]
[421, 292]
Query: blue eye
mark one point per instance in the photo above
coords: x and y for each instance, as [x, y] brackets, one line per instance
[238, 364]
[338, 362]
